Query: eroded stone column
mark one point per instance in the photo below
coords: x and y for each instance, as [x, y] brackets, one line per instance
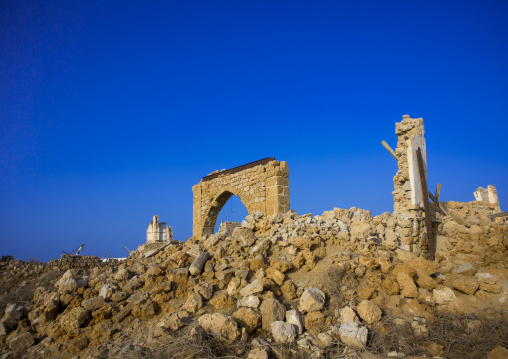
[407, 194]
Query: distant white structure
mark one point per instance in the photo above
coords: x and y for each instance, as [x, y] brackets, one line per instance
[158, 231]
[488, 195]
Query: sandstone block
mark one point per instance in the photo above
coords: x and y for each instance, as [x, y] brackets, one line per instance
[281, 264]
[276, 275]
[244, 235]
[283, 332]
[289, 290]
[498, 352]
[271, 310]
[467, 269]
[347, 315]
[93, 303]
[194, 303]
[154, 270]
[221, 301]
[465, 284]
[325, 339]
[314, 320]
[390, 285]
[369, 311]
[248, 318]
[352, 335]
[312, 299]
[221, 325]
[407, 285]
[22, 342]
[204, 289]
[294, 317]
[443, 296]
[74, 318]
[253, 288]
[258, 353]
[250, 302]
[425, 281]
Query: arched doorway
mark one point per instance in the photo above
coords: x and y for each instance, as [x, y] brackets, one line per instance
[261, 186]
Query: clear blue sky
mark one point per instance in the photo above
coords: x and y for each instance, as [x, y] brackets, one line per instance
[110, 111]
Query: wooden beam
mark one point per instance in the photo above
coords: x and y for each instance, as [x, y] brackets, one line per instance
[495, 215]
[426, 204]
[438, 190]
[389, 149]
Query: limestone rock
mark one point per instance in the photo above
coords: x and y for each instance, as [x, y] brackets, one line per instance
[258, 353]
[107, 291]
[204, 289]
[93, 303]
[244, 235]
[425, 281]
[294, 317]
[221, 325]
[276, 275]
[347, 315]
[248, 318]
[314, 320]
[255, 287]
[251, 302]
[443, 296]
[271, 310]
[281, 264]
[22, 342]
[369, 311]
[283, 332]
[193, 303]
[325, 339]
[407, 285]
[390, 285]
[498, 352]
[352, 335]
[465, 284]
[289, 290]
[221, 301]
[312, 299]
[74, 318]
[155, 270]
[467, 269]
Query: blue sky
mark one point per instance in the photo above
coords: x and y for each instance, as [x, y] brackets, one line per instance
[110, 111]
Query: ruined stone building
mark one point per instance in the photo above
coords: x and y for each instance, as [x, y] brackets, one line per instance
[158, 231]
[261, 186]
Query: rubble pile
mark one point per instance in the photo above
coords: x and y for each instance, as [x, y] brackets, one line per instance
[313, 283]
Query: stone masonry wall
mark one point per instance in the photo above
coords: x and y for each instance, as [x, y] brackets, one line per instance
[262, 188]
[407, 194]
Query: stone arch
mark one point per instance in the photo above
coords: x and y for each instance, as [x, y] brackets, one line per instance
[261, 186]
[215, 207]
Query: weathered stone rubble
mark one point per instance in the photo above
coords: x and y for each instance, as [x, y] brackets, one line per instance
[308, 280]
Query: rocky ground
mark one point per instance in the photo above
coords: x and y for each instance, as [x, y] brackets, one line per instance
[338, 285]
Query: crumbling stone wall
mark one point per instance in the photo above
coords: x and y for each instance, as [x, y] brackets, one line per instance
[488, 195]
[68, 261]
[158, 231]
[263, 187]
[407, 195]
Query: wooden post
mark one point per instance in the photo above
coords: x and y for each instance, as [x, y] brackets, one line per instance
[389, 149]
[438, 190]
[426, 204]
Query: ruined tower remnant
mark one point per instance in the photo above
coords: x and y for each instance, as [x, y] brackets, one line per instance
[488, 195]
[261, 186]
[158, 231]
[407, 195]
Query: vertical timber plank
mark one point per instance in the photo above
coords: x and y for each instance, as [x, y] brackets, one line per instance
[426, 204]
